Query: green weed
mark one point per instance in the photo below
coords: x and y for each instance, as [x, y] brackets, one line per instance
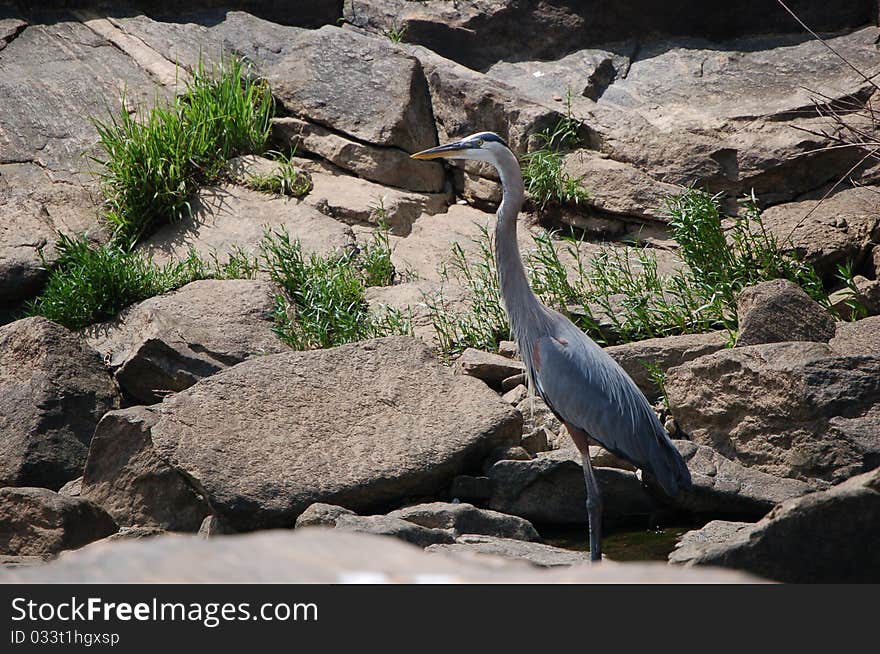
[92, 283]
[153, 165]
[619, 295]
[284, 180]
[324, 302]
[543, 176]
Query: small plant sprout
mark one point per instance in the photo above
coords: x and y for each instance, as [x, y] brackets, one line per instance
[285, 179]
[396, 33]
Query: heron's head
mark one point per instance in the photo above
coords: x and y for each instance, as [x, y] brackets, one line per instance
[482, 146]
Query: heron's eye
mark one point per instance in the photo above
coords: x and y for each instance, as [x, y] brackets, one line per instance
[479, 143]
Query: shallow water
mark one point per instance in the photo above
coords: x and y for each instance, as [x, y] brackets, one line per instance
[620, 545]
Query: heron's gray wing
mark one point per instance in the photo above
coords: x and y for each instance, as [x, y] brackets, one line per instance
[584, 386]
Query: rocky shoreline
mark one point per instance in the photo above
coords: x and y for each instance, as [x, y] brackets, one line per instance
[186, 414]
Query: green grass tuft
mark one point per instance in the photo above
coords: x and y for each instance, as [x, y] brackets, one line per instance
[152, 165]
[484, 324]
[543, 176]
[284, 180]
[324, 303]
[92, 283]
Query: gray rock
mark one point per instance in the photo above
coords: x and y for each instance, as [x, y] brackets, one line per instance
[213, 526]
[665, 116]
[602, 458]
[491, 368]
[463, 98]
[132, 533]
[387, 525]
[329, 515]
[479, 34]
[417, 426]
[465, 518]
[619, 188]
[537, 415]
[318, 555]
[839, 229]
[72, 488]
[388, 166]
[228, 218]
[514, 453]
[778, 311]
[333, 77]
[39, 522]
[53, 391]
[829, 536]
[583, 73]
[858, 337]
[8, 561]
[126, 476]
[868, 294]
[796, 410]
[716, 532]
[512, 382]
[45, 185]
[516, 394]
[321, 514]
[358, 201]
[549, 489]
[537, 440]
[508, 349]
[724, 487]
[664, 352]
[537, 554]
[167, 343]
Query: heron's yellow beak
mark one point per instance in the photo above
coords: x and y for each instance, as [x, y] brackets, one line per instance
[448, 150]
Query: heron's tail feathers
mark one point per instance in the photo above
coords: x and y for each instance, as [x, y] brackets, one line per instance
[670, 471]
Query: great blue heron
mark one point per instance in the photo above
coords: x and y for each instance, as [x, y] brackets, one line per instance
[583, 386]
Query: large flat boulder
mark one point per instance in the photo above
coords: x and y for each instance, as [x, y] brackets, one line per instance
[318, 555]
[229, 218]
[360, 425]
[795, 409]
[537, 554]
[55, 76]
[337, 517]
[39, 522]
[167, 343]
[690, 112]
[825, 537]
[53, 391]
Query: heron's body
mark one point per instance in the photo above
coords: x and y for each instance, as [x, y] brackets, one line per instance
[586, 389]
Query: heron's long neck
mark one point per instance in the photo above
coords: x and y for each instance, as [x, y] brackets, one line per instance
[518, 297]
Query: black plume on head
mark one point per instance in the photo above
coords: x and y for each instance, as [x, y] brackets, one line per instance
[492, 136]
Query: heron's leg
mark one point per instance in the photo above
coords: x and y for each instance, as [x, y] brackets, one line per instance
[594, 495]
[594, 510]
